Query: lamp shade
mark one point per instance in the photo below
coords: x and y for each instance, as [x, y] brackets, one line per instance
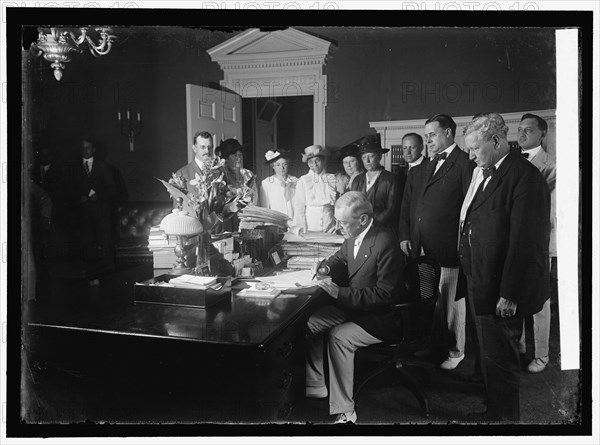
[179, 222]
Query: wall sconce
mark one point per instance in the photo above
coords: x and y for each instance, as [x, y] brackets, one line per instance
[130, 127]
[59, 45]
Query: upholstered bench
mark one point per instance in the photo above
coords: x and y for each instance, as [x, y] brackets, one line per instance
[134, 222]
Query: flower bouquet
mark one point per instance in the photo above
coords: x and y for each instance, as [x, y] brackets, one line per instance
[208, 196]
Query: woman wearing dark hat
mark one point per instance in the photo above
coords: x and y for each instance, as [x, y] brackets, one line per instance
[380, 186]
[277, 191]
[315, 193]
[352, 165]
[235, 174]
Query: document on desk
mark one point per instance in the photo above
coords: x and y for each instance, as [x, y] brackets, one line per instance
[296, 235]
[299, 279]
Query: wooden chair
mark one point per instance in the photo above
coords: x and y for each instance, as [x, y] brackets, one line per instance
[421, 278]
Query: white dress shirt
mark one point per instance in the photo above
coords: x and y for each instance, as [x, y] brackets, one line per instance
[475, 181]
[89, 162]
[532, 152]
[359, 239]
[417, 162]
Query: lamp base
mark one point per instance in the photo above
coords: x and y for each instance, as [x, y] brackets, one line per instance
[179, 269]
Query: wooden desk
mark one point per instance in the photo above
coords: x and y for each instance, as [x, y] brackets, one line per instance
[239, 361]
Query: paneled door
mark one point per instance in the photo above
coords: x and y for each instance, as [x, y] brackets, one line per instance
[218, 112]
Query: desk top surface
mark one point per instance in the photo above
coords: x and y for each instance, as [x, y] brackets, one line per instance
[108, 308]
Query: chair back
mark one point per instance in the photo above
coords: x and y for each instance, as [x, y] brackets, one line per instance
[421, 277]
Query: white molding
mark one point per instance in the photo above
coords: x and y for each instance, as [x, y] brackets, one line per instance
[273, 64]
[392, 131]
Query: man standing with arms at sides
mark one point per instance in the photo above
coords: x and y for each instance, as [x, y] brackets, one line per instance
[412, 149]
[532, 131]
[429, 217]
[503, 247]
[203, 148]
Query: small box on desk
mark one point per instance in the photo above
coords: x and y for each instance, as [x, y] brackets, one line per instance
[150, 291]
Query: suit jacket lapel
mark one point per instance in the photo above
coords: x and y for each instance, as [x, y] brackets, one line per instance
[364, 252]
[495, 181]
[445, 167]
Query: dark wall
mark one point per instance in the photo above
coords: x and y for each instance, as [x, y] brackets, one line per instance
[373, 74]
[383, 74]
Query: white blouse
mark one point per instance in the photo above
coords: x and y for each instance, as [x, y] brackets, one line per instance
[315, 198]
[279, 195]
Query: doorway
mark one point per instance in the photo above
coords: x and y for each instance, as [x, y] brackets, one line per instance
[277, 122]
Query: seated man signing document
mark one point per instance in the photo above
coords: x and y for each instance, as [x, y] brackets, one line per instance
[359, 314]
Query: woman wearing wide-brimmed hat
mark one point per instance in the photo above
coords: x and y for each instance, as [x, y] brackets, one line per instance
[352, 166]
[315, 193]
[380, 185]
[277, 192]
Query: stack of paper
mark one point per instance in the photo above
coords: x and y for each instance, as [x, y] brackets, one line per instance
[303, 262]
[253, 216]
[193, 281]
[253, 291]
[293, 280]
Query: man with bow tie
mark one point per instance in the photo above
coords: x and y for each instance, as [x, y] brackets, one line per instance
[532, 131]
[503, 248]
[365, 282]
[429, 215]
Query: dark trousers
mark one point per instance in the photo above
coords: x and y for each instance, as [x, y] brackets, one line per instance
[497, 342]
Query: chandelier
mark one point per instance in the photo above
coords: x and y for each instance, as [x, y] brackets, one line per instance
[60, 44]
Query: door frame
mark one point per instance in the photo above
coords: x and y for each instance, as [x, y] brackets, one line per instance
[280, 63]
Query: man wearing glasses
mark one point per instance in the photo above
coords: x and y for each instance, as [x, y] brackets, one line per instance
[429, 216]
[365, 282]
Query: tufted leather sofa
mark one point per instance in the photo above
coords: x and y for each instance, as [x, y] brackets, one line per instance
[134, 220]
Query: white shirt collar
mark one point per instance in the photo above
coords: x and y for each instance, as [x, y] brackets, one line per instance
[359, 239]
[88, 160]
[497, 164]
[447, 150]
[532, 152]
[199, 163]
[417, 162]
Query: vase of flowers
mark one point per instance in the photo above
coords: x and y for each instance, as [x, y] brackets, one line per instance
[210, 198]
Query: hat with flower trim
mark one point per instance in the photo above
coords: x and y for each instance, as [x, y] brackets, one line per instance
[312, 151]
[273, 156]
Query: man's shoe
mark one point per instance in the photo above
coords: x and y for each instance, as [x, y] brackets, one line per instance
[538, 364]
[451, 363]
[316, 392]
[346, 418]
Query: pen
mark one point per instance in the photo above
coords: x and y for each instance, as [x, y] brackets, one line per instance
[317, 270]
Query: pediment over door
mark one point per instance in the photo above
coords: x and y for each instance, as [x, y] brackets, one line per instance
[280, 63]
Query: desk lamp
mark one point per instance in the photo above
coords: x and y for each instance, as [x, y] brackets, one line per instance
[180, 224]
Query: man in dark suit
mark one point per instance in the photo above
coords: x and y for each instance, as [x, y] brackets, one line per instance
[359, 316]
[380, 185]
[96, 190]
[203, 148]
[503, 246]
[429, 218]
[412, 153]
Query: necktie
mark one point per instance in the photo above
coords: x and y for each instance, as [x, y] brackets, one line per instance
[87, 167]
[437, 158]
[525, 155]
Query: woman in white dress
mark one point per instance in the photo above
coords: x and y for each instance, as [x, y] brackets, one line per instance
[315, 193]
[277, 191]
[352, 165]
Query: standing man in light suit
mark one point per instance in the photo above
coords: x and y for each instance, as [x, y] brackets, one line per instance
[532, 131]
[429, 216]
[366, 281]
[503, 248]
